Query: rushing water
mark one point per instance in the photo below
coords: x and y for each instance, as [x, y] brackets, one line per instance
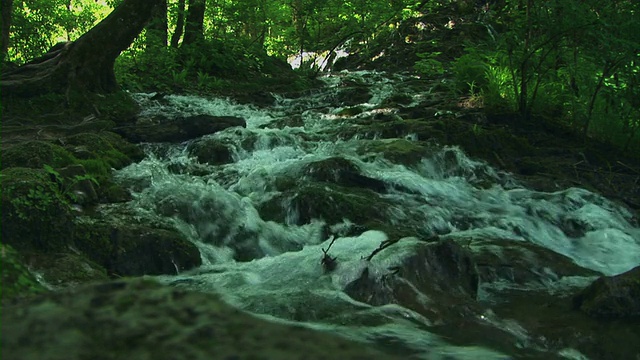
[446, 193]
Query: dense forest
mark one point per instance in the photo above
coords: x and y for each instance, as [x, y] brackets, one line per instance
[573, 61]
[379, 179]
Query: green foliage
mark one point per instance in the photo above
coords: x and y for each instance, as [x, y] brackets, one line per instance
[17, 280]
[581, 69]
[428, 64]
[39, 24]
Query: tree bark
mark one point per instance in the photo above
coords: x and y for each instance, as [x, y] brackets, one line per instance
[6, 9]
[177, 34]
[194, 28]
[158, 26]
[87, 63]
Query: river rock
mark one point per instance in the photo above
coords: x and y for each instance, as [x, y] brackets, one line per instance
[612, 297]
[342, 172]
[127, 249]
[211, 151]
[433, 279]
[161, 129]
[139, 319]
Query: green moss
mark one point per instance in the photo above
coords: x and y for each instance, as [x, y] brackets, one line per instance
[93, 238]
[17, 280]
[35, 154]
[35, 215]
[67, 269]
[396, 150]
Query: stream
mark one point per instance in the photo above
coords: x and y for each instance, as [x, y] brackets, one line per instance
[301, 180]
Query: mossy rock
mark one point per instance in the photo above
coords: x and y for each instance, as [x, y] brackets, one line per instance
[615, 297]
[17, 280]
[35, 215]
[139, 319]
[81, 111]
[342, 172]
[396, 150]
[35, 154]
[370, 128]
[107, 146]
[350, 111]
[135, 249]
[329, 202]
[211, 151]
[63, 269]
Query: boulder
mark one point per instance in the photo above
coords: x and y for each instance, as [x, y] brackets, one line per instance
[612, 297]
[139, 319]
[211, 151]
[129, 249]
[437, 279]
[35, 214]
[341, 172]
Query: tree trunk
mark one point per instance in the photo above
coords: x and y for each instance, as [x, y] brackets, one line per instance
[194, 28]
[87, 63]
[177, 34]
[158, 26]
[6, 9]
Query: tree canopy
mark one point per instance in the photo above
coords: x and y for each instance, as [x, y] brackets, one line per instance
[575, 61]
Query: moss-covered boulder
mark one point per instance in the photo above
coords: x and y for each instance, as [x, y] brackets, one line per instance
[129, 249]
[106, 146]
[143, 320]
[17, 280]
[63, 269]
[342, 172]
[35, 214]
[400, 151]
[35, 154]
[211, 151]
[329, 202]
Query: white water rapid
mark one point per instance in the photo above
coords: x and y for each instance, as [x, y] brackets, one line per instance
[446, 194]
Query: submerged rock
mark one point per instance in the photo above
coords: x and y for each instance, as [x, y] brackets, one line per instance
[140, 319]
[612, 297]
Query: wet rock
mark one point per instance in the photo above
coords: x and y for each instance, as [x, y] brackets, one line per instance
[397, 150]
[612, 297]
[179, 129]
[211, 151]
[141, 319]
[326, 201]
[350, 111]
[341, 172]
[352, 96]
[129, 249]
[521, 263]
[393, 128]
[288, 121]
[397, 99]
[435, 279]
